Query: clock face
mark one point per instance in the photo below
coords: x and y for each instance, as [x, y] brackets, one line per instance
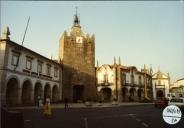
[79, 39]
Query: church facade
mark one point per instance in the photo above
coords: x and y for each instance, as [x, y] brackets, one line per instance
[77, 55]
[123, 83]
[178, 87]
[161, 84]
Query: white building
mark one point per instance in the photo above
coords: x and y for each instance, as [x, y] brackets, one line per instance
[124, 83]
[25, 74]
[161, 84]
[178, 87]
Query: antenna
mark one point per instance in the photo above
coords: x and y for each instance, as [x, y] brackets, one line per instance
[25, 31]
[76, 9]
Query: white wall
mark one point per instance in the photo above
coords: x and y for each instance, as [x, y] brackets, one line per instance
[22, 63]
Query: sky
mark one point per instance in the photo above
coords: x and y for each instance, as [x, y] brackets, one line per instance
[139, 32]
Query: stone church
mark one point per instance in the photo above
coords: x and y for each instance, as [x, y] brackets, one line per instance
[77, 55]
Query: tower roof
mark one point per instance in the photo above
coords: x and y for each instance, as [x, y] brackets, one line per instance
[76, 28]
[76, 21]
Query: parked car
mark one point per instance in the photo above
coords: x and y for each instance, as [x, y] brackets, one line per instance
[161, 102]
[171, 95]
[178, 102]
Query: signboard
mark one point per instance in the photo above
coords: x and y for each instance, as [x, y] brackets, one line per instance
[172, 114]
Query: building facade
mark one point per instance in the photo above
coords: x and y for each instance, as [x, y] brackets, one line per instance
[25, 74]
[77, 54]
[123, 83]
[161, 84]
[178, 88]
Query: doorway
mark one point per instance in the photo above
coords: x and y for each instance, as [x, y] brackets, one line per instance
[78, 92]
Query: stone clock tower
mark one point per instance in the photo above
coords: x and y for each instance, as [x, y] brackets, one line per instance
[77, 55]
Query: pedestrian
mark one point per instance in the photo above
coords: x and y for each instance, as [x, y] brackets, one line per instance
[40, 103]
[38, 100]
[47, 109]
[66, 103]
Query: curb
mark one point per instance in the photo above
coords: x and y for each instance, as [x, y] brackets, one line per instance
[95, 105]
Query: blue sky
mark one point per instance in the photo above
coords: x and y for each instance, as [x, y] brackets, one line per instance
[140, 32]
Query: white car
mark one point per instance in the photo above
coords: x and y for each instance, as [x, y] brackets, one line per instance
[178, 102]
[170, 96]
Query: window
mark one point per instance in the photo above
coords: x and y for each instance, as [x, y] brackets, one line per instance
[159, 82]
[48, 69]
[140, 80]
[123, 78]
[132, 79]
[39, 68]
[28, 64]
[55, 72]
[15, 60]
[106, 78]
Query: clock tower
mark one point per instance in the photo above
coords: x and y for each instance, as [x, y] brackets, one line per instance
[77, 55]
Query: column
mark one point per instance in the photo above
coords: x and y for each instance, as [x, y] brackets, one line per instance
[19, 97]
[32, 96]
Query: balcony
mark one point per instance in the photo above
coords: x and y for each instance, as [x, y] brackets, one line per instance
[127, 84]
[104, 84]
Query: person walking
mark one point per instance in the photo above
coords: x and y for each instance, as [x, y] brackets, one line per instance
[66, 103]
[40, 103]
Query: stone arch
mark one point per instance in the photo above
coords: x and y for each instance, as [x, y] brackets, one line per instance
[124, 92]
[26, 92]
[78, 93]
[12, 87]
[106, 93]
[132, 91]
[132, 94]
[55, 94]
[47, 91]
[37, 91]
[15, 77]
[140, 93]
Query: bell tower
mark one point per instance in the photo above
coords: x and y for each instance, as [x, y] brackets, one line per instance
[77, 54]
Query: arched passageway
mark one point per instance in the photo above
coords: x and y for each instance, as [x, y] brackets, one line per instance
[78, 92]
[55, 94]
[124, 92]
[140, 93]
[132, 92]
[47, 91]
[12, 92]
[106, 92]
[26, 92]
[37, 91]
